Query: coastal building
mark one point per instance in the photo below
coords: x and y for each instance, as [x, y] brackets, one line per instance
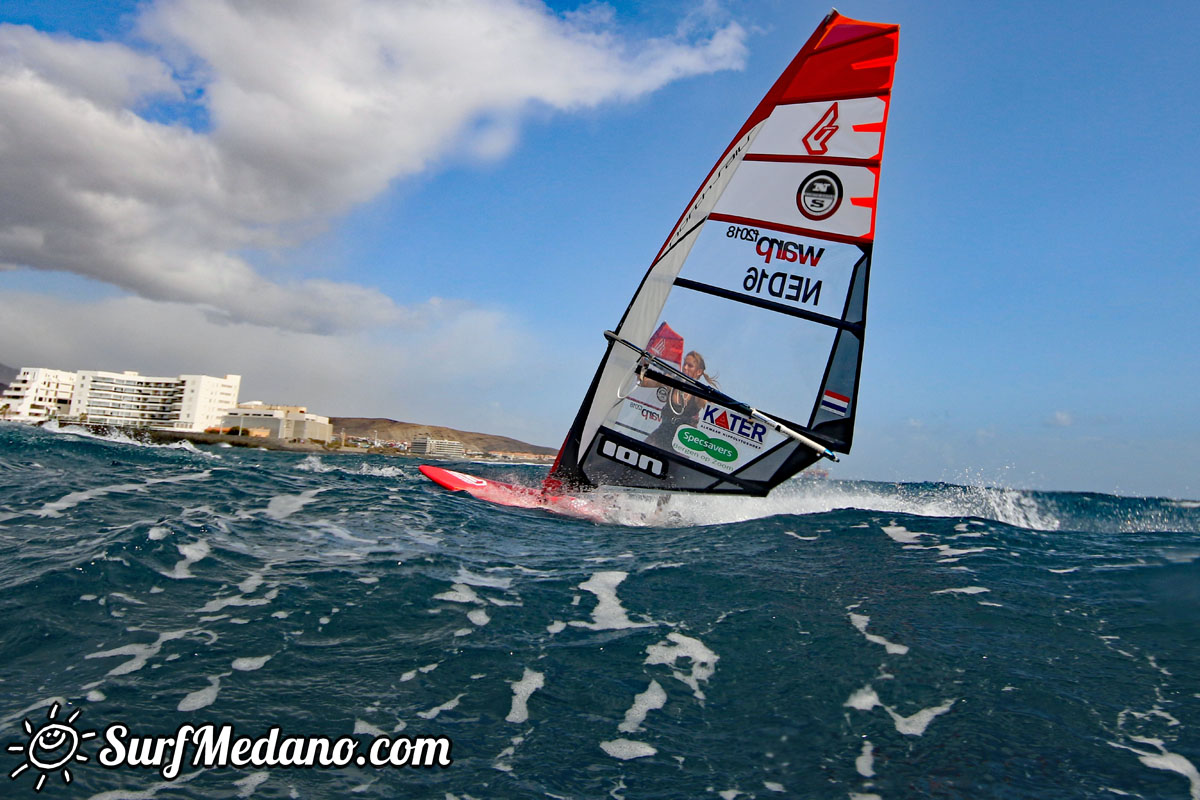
[505, 455]
[280, 422]
[38, 394]
[185, 403]
[447, 448]
[207, 398]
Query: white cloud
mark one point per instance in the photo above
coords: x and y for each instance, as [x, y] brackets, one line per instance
[312, 107]
[107, 74]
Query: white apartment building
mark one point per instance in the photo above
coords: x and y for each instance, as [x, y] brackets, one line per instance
[280, 422]
[206, 399]
[438, 447]
[186, 403]
[38, 394]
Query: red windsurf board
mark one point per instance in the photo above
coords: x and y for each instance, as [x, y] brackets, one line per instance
[506, 494]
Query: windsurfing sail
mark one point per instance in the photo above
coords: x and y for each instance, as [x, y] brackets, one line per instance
[736, 364]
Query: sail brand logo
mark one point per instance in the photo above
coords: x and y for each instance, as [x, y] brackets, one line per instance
[630, 457]
[786, 250]
[816, 141]
[696, 440]
[819, 195]
[783, 285]
[734, 423]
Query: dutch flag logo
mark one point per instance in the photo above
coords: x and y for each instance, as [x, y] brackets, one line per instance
[837, 403]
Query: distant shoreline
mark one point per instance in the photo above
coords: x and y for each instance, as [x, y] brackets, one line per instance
[158, 436]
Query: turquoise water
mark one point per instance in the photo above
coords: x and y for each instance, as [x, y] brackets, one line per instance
[836, 640]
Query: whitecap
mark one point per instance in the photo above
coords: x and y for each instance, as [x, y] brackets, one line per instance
[485, 581]
[446, 706]
[1165, 760]
[626, 749]
[653, 698]
[460, 593]
[140, 653]
[202, 698]
[378, 472]
[313, 464]
[899, 533]
[55, 508]
[608, 614]
[337, 531]
[252, 582]
[237, 600]
[191, 553]
[368, 729]
[704, 661]
[529, 683]
[866, 699]
[250, 664]
[248, 784]
[865, 763]
[860, 621]
[916, 724]
[507, 752]
[283, 506]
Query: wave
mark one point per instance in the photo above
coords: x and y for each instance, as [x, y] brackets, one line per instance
[118, 436]
[1013, 507]
[315, 464]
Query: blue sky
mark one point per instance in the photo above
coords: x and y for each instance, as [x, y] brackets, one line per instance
[432, 216]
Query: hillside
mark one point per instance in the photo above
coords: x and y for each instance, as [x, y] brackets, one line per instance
[386, 429]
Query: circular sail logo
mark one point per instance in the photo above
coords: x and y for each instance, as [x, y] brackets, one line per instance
[819, 195]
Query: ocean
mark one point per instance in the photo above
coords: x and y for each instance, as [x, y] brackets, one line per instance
[837, 639]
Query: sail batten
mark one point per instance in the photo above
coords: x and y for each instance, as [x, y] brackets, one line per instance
[792, 159]
[778, 308]
[737, 362]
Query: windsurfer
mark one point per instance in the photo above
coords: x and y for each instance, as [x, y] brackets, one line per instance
[680, 407]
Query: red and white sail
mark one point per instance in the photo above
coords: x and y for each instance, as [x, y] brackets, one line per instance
[763, 280]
